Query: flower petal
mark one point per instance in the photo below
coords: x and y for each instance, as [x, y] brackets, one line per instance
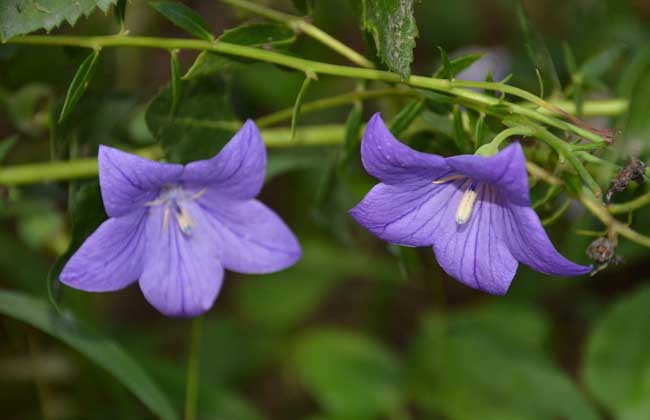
[408, 213]
[238, 170]
[529, 243]
[474, 253]
[255, 239]
[111, 258]
[392, 162]
[182, 274]
[128, 181]
[506, 170]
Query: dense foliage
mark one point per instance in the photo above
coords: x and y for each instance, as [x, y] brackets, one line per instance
[358, 328]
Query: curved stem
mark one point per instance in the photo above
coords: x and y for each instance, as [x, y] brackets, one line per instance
[192, 388]
[300, 25]
[307, 66]
[631, 205]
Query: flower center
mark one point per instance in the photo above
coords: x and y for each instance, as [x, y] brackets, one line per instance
[466, 205]
[173, 197]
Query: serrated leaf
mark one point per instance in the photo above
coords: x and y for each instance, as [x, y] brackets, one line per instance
[252, 35]
[100, 350]
[456, 65]
[79, 84]
[617, 363]
[349, 374]
[202, 124]
[393, 28]
[184, 17]
[537, 51]
[18, 17]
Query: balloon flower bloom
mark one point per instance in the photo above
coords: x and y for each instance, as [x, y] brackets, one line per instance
[174, 228]
[473, 210]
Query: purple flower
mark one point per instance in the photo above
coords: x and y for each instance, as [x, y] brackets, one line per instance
[176, 227]
[474, 210]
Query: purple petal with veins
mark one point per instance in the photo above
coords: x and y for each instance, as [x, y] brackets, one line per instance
[473, 210]
[175, 228]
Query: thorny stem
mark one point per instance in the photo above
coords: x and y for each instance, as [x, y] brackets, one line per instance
[192, 389]
[308, 66]
[301, 25]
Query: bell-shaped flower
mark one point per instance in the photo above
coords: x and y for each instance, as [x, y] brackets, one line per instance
[475, 211]
[174, 228]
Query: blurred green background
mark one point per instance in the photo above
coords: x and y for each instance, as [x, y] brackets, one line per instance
[357, 329]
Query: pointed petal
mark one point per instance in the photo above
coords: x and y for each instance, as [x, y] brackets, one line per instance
[474, 253]
[111, 258]
[529, 243]
[254, 240]
[128, 181]
[182, 274]
[238, 170]
[506, 170]
[392, 162]
[408, 213]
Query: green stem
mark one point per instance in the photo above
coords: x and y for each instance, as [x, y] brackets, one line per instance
[604, 107]
[300, 25]
[557, 214]
[332, 102]
[192, 389]
[309, 66]
[631, 205]
[564, 150]
[31, 173]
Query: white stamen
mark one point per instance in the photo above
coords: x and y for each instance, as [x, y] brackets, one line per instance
[466, 205]
[185, 222]
[448, 178]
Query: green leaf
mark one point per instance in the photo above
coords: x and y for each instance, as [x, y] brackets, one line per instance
[617, 363]
[79, 84]
[393, 28]
[25, 103]
[459, 129]
[120, 13]
[184, 17]
[87, 213]
[252, 35]
[100, 350]
[350, 375]
[455, 65]
[259, 35]
[202, 125]
[537, 51]
[296, 106]
[594, 68]
[18, 17]
[305, 6]
[445, 64]
[175, 80]
[406, 116]
[490, 364]
[6, 145]
[350, 147]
